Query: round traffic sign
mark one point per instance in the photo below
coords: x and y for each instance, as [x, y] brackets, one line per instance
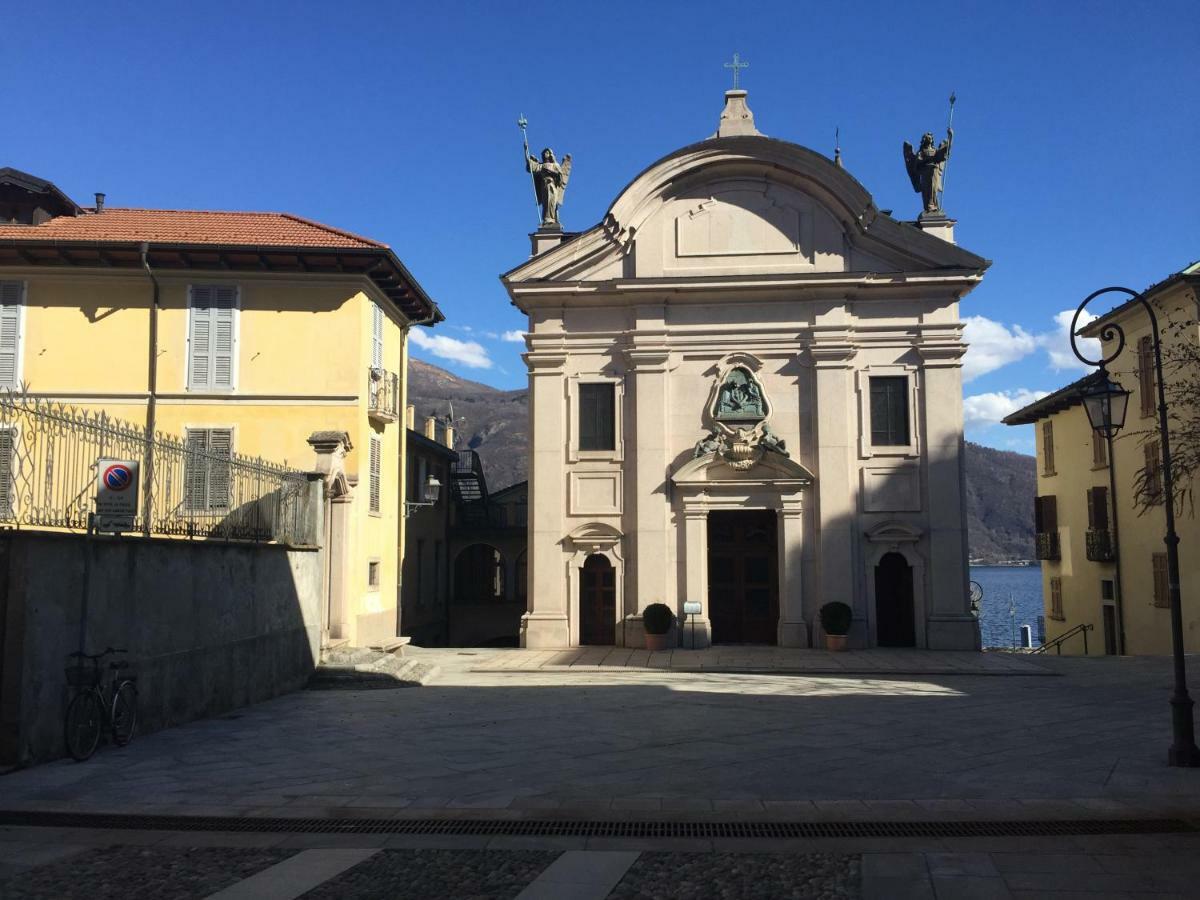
[118, 477]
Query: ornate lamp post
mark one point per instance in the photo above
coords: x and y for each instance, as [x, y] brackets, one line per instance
[1105, 402]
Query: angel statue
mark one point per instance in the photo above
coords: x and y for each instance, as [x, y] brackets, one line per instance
[925, 168]
[550, 182]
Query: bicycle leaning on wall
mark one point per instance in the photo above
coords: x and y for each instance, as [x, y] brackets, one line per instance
[97, 706]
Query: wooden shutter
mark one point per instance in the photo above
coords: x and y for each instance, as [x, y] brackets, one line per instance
[220, 450]
[1162, 586]
[1045, 514]
[376, 336]
[1048, 447]
[1099, 449]
[1056, 610]
[7, 491]
[889, 411]
[1098, 508]
[10, 333]
[206, 477]
[211, 337]
[195, 477]
[374, 465]
[1153, 471]
[1091, 507]
[1145, 356]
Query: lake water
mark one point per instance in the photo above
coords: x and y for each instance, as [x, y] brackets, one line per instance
[1024, 585]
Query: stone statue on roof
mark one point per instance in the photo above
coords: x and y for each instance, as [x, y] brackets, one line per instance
[550, 182]
[925, 168]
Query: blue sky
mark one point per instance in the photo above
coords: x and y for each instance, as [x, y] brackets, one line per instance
[1075, 157]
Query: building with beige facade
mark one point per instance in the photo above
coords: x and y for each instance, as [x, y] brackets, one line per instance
[261, 334]
[745, 393]
[1104, 563]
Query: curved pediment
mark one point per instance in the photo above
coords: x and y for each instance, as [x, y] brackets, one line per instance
[743, 205]
[595, 536]
[771, 468]
[893, 532]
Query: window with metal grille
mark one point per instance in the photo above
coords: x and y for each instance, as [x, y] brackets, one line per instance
[11, 295]
[597, 425]
[375, 464]
[1099, 450]
[1047, 447]
[373, 574]
[206, 468]
[889, 411]
[212, 332]
[1162, 584]
[1056, 607]
[1145, 363]
[1153, 469]
[376, 336]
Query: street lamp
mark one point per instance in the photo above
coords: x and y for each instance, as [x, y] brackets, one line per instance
[432, 489]
[1105, 402]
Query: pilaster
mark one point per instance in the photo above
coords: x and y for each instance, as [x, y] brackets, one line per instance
[793, 629]
[546, 622]
[695, 522]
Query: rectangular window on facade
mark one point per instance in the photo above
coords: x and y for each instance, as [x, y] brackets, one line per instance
[375, 464]
[206, 468]
[212, 329]
[1162, 586]
[1097, 506]
[1045, 514]
[373, 574]
[1145, 364]
[10, 333]
[597, 422]
[376, 336]
[889, 411]
[1153, 469]
[1099, 450]
[1106, 589]
[1047, 447]
[1056, 607]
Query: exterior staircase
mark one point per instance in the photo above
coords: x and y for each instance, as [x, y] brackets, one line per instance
[362, 669]
[469, 489]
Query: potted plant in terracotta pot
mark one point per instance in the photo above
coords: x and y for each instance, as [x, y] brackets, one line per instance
[657, 619]
[835, 621]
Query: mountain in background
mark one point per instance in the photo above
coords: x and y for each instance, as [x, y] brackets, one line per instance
[1000, 485]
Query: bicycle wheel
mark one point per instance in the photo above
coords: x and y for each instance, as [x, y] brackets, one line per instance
[124, 713]
[83, 723]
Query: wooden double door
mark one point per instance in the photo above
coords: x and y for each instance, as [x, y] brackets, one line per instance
[743, 576]
[597, 602]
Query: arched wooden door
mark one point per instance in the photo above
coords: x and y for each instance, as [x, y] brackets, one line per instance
[598, 602]
[895, 621]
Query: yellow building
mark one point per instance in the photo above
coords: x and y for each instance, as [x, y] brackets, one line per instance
[1101, 545]
[270, 335]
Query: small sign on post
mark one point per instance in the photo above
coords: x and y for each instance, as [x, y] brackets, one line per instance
[116, 495]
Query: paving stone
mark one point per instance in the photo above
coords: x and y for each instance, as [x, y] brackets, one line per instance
[436, 875]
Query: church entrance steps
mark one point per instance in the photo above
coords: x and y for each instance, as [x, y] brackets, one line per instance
[760, 660]
[361, 668]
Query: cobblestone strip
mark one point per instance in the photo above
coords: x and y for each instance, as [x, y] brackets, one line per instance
[735, 876]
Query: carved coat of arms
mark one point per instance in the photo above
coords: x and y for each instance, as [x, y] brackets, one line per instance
[737, 413]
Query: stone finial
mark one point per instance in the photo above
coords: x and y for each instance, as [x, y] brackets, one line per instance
[449, 436]
[431, 427]
[410, 417]
[736, 118]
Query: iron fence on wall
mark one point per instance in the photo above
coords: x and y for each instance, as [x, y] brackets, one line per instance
[189, 487]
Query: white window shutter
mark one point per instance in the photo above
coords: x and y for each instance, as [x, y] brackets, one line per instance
[376, 336]
[220, 446]
[195, 470]
[224, 310]
[10, 333]
[200, 339]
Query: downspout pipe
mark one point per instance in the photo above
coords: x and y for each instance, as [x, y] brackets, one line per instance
[152, 399]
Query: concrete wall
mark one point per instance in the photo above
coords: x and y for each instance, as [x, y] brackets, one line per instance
[209, 627]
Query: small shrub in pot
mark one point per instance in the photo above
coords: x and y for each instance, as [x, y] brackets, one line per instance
[835, 621]
[657, 619]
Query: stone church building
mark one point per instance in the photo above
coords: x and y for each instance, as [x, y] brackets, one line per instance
[745, 392]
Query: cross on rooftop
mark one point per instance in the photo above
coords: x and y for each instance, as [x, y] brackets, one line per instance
[736, 65]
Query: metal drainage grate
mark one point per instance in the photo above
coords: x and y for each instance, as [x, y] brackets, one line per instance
[615, 829]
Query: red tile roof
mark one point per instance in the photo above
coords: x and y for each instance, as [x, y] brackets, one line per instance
[178, 226]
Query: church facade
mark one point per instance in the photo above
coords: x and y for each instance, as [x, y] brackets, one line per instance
[746, 397]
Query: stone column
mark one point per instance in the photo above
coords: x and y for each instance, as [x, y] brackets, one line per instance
[837, 449]
[950, 624]
[698, 632]
[793, 630]
[546, 623]
[331, 448]
[647, 456]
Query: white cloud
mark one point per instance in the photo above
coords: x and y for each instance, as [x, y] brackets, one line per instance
[468, 353]
[992, 345]
[513, 336]
[989, 409]
[1057, 343]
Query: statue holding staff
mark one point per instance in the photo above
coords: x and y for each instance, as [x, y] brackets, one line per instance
[549, 180]
[926, 166]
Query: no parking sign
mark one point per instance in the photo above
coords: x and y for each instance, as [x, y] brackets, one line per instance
[116, 494]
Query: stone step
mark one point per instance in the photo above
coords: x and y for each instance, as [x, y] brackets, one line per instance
[360, 668]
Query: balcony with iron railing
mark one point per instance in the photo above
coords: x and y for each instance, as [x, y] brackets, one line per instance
[1046, 545]
[1100, 546]
[383, 395]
